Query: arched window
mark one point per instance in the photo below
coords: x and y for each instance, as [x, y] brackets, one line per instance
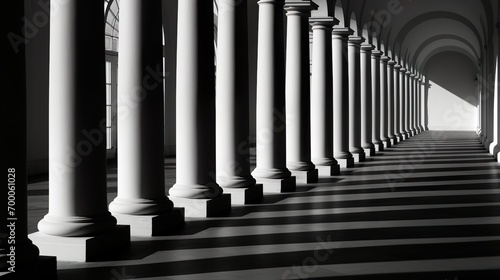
[112, 18]
[111, 13]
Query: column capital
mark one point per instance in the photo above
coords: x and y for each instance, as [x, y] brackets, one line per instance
[420, 80]
[355, 40]
[413, 75]
[408, 73]
[342, 31]
[377, 53]
[384, 58]
[298, 7]
[367, 47]
[323, 23]
[401, 69]
[391, 63]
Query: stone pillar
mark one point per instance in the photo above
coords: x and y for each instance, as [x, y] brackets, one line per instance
[196, 189]
[407, 103]
[322, 98]
[376, 101]
[412, 104]
[19, 260]
[384, 102]
[298, 92]
[402, 104]
[78, 214]
[494, 145]
[419, 106]
[391, 102]
[341, 97]
[271, 168]
[426, 103]
[232, 111]
[141, 201]
[365, 82]
[397, 103]
[355, 128]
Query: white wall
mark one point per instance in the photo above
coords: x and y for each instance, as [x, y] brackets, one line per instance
[452, 92]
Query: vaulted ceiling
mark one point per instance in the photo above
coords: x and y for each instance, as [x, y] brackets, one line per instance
[413, 31]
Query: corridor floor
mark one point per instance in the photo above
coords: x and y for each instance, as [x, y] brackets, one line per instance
[428, 208]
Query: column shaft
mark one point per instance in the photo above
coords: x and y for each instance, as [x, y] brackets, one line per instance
[232, 111]
[366, 88]
[77, 177]
[391, 104]
[408, 104]
[322, 96]
[141, 179]
[397, 103]
[376, 101]
[402, 103]
[341, 97]
[195, 103]
[298, 87]
[355, 98]
[384, 102]
[13, 121]
[413, 104]
[271, 123]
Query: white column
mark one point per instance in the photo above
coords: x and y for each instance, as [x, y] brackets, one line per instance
[391, 102]
[426, 103]
[365, 82]
[271, 168]
[482, 95]
[232, 111]
[408, 103]
[397, 103]
[384, 102]
[19, 260]
[341, 104]
[412, 102]
[298, 92]
[196, 188]
[402, 103]
[322, 98]
[419, 109]
[77, 151]
[376, 101]
[494, 146]
[141, 201]
[355, 128]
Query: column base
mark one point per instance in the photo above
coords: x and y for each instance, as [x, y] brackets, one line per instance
[346, 163]
[203, 207]
[152, 225]
[394, 141]
[82, 249]
[379, 147]
[406, 136]
[278, 185]
[242, 196]
[359, 157]
[370, 152]
[328, 171]
[387, 143]
[305, 177]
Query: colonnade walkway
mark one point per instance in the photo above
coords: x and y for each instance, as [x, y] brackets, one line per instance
[427, 208]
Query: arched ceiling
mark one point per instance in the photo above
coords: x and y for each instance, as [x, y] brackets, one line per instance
[412, 31]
